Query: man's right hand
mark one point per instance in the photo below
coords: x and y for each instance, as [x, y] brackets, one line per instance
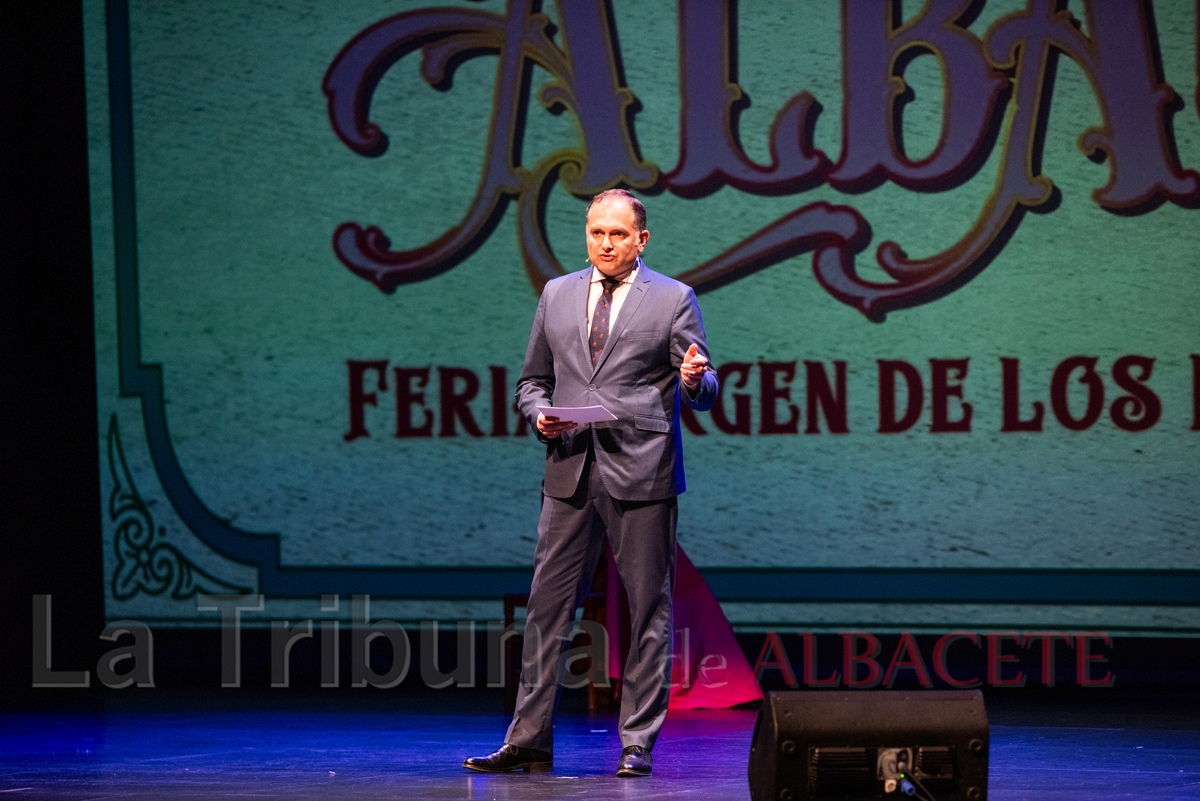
[551, 427]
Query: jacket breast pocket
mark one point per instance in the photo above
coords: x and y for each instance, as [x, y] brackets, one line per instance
[648, 347]
[646, 422]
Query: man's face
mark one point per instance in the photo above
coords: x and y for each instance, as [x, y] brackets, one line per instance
[613, 241]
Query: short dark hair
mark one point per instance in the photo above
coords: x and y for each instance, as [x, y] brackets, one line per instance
[639, 211]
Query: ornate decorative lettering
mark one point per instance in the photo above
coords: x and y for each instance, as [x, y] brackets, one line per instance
[1010, 69]
[710, 154]
[608, 155]
[1142, 167]
[875, 50]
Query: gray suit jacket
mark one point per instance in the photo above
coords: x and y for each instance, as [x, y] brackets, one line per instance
[640, 454]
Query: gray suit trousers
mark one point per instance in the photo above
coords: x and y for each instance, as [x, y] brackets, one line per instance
[571, 534]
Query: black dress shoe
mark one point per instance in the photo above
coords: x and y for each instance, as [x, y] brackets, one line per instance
[635, 761]
[511, 757]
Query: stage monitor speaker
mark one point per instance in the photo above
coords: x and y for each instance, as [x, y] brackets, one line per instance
[876, 744]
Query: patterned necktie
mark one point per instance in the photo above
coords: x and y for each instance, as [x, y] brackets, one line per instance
[601, 317]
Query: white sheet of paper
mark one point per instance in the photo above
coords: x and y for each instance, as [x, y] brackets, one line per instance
[578, 414]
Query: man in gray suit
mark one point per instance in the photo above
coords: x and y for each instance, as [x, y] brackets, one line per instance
[618, 335]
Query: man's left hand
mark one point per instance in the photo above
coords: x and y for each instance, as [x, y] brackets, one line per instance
[691, 372]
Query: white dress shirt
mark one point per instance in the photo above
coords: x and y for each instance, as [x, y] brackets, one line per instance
[619, 292]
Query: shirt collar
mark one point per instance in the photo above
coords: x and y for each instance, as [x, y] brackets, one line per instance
[598, 276]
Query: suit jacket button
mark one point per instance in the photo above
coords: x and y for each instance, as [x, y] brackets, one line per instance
[592, 387]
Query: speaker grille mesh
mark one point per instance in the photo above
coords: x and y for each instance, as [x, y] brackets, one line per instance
[834, 771]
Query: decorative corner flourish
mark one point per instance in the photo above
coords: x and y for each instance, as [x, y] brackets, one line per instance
[145, 562]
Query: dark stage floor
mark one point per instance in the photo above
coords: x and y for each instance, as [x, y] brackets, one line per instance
[161, 744]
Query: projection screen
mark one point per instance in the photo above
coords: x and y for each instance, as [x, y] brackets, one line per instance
[946, 256]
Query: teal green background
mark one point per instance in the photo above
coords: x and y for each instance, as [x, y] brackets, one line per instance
[241, 183]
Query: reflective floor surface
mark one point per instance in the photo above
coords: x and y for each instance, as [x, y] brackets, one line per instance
[159, 744]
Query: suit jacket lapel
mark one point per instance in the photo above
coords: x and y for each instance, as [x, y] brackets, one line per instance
[633, 300]
[578, 306]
